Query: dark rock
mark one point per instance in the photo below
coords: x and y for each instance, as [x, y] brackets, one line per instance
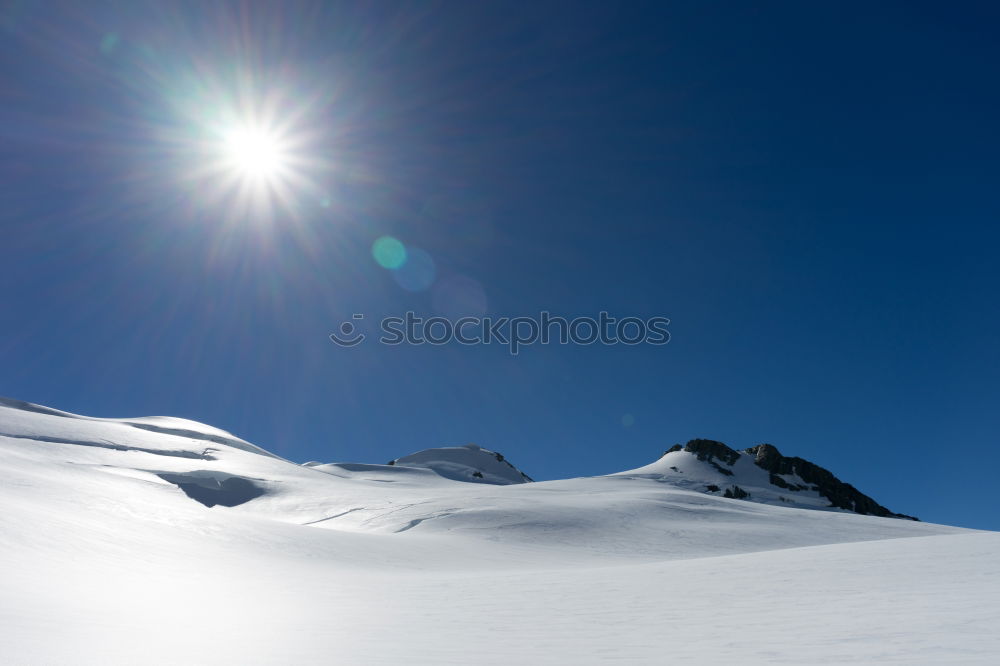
[713, 488]
[709, 451]
[736, 493]
[841, 495]
[781, 483]
[720, 468]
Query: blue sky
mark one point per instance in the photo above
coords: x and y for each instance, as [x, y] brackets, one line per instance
[807, 191]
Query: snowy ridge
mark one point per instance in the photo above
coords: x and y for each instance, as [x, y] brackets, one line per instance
[182, 543]
[469, 463]
[168, 425]
[466, 463]
[758, 474]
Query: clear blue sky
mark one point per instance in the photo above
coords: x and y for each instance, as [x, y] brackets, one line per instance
[807, 190]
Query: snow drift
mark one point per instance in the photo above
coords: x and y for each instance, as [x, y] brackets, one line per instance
[157, 540]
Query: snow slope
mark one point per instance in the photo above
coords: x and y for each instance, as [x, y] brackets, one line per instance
[110, 554]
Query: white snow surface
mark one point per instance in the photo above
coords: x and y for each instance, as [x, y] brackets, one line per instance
[105, 561]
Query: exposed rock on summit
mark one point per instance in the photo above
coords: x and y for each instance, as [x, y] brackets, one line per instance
[764, 474]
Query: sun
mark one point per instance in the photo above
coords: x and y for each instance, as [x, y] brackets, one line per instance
[249, 156]
[254, 153]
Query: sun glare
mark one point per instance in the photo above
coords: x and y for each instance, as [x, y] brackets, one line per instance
[254, 153]
[251, 156]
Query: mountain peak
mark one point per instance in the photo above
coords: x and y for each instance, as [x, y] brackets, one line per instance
[470, 463]
[841, 495]
[707, 450]
[769, 476]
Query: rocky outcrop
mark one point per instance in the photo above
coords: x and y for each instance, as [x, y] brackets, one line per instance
[786, 474]
[736, 493]
[709, 450]
[841, 495]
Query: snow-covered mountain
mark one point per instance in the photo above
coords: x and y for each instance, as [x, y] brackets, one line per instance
[466, 463]
[160, 540]
[759, 474]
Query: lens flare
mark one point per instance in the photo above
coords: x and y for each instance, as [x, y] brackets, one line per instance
[389, 252]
